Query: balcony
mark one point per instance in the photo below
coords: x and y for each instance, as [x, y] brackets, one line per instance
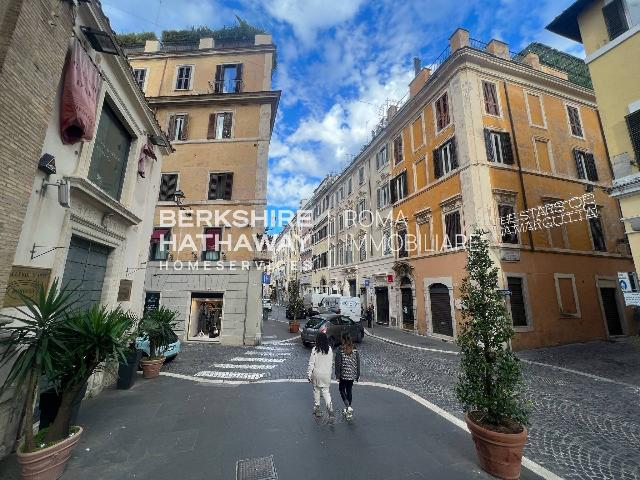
[227, 86]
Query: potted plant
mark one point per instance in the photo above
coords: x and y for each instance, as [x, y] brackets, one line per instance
[490, 386]
[67, 346]
[127, 370]
[157, 326]
[295, 307]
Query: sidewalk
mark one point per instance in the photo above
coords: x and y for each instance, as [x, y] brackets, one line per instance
[171, 428]
[403, 337]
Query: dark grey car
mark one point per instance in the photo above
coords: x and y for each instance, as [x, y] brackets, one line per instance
[334, 326]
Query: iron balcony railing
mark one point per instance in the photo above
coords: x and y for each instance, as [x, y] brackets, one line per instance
[227, 86]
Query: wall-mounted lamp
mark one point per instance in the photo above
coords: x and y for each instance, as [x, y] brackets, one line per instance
[100, 41]
[64, 191]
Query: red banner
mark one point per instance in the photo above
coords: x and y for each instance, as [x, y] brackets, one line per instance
[82, 83]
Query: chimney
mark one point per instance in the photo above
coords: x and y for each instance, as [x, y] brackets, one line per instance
[533, 60]
[499, 49]
[151, 46]
[417, 66]
[263, 39]
[206, 42]
[391, 112]
[417, 83]
[459, 39]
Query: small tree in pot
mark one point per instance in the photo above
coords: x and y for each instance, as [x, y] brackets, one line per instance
[157, 326]
[490, 385]
[295, 307]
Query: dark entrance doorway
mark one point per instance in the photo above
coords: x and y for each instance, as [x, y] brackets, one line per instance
[85, 270]
[441, 321]
[407, 303]
[611, 313]
[352, 288]
[363, 299]
[382, 305]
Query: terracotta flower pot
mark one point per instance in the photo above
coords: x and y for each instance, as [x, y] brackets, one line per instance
[500, 454]
[151, 367]
[294, 327]
[48, 463]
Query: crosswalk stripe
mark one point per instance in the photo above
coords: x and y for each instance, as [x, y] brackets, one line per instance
[266, 366]
[258, 359]
[230, 375]
[269, 336]
[267, 354]
[273, 347]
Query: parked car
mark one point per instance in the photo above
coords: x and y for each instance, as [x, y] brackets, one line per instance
[266, 304]
[334, 325]
[349, 306]
[169, 353]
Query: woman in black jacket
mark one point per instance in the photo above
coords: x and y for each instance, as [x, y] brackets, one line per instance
[347, 369]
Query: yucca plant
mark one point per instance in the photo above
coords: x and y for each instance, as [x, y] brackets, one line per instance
[31, 344]
[157, 325]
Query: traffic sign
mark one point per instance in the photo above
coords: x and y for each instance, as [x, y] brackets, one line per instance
[366, 282]
[266, 278]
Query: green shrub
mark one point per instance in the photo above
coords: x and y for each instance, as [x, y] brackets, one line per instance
[157, 326]
[135, 38]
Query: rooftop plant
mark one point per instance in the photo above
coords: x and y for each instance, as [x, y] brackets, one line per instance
[135, 38]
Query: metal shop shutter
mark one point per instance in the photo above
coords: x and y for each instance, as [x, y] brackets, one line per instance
[441, 309]
[85, 270]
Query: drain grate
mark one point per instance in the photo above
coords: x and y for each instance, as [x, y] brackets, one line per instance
[256, 469]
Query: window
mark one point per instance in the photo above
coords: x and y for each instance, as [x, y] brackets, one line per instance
[574, 121]
[507, 226]
[158, 250]
[398, 187]
[585, 165]
[349, 186]
[140, 75]
[567, 295]
[442, 112]
[386, 242]
[398, 155]
[534, 109]
[597, 233]
[402, 243]
[633, 125]
[220, 186]
[349, 252]
[340, 254]
[615, 18]
[453, 229]
[543, 155]
[219, 125]
[332, 227]
[178, 127]
[382, 157]
[212, 244]
[360, 208]
[168, 187]
[183, 77]
[498, 146]
[363, 248]
[383, 196]
[332, 255]
[341, 222]
[517, 301]
[361, 175]
[445, 159]
[228, 78]
[490, 94]
[110, 153]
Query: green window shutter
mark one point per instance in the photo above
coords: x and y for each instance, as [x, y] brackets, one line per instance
[507, 150]
[489, 145]
[615, 19]
[633, 124]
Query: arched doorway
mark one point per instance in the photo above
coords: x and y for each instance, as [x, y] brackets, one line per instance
[440, 300]
[407, 303]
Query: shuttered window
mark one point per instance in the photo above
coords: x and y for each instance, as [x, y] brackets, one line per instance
[402, 243]
[178, 127]
[508, 231]
[633, 124]
[442, 112]
[228, 78]
[498, 145]
[140, 75]
[220, 186]
[615, 18]
[516, 301]
[398, 187]
[219, 125]
[597, 232]
[168, 187]
[445, 158]
[398, 154]
[574, 121]
[453, 228]
[183, 77]
[381, 157]
[211, 250]
[585, 165]
[490, 94]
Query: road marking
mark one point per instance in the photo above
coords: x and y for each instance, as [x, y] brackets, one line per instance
[230, 375]
[426, 349]
[267, 354]
[261, 366]
[526, 462]
[258, 359]
[273, 348]
[269, 336]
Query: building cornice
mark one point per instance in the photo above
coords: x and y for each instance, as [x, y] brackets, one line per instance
[237, 50]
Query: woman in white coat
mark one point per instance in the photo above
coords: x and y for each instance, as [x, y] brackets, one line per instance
[319, 373]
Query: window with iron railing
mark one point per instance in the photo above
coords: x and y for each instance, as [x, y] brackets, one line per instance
[228, 79]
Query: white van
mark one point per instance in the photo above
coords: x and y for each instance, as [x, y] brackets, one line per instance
[348, 306]
[313, 299]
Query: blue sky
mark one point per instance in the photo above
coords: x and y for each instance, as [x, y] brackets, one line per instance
[340, 61]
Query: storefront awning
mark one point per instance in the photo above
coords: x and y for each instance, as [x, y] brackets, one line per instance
[159, 233]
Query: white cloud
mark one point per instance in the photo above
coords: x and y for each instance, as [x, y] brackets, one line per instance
[288, 191]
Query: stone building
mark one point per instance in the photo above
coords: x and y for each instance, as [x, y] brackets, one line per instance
[216, 103]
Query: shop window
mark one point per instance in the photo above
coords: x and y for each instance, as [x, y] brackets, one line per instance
[168, 187]
[220, 186]
[110, 153]
[206, 316]
[159, 251]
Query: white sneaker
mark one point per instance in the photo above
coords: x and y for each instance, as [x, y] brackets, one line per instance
[350, 410]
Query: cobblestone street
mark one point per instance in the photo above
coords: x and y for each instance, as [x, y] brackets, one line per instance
[582, 426]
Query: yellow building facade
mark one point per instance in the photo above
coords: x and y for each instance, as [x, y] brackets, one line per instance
[485, 138]
[216, 103]
[610, 33]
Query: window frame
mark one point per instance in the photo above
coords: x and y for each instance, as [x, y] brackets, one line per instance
[444, 227]
[435, 112]
[168, 252]
[528, 93]
[215, 172]
[217, 250]
[447, 143]
[484, 100]
[177, 174]
[395, 150]
[525, 297]
[577, 108]
[576, 299]
[385, 148]
[143, 87]
[191, 77]
[231, 130]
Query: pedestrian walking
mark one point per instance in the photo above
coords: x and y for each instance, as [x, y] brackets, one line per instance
[347, 368]
[319, 374]
[370, 316]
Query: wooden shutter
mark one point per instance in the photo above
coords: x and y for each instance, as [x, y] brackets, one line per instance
[393, 190]
[226, 126]
[489, 145]
[574, 121]
[213, 186]
[445, 110]
[590, 162]
[597, 234]
[454, 154]
[507, 151]
[615, 19]
[633, 125]
[239, 78]
[184, 134]
[577, 155]
[228, 185]
[516, 301]
[168, 184]
[211, 129]
[437, 163]
[490, 98]
[218, 80]
[172, 127]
